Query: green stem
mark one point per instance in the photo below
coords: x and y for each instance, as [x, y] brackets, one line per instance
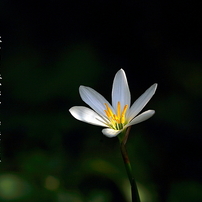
[134, 190]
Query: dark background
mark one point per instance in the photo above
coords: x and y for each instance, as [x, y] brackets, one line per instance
[51, 47]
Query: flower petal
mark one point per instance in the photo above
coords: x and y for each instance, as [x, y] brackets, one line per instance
[142, 117]
[95, 100]
[86, 115]
[110, 132]
[139, 104]
[120, 90]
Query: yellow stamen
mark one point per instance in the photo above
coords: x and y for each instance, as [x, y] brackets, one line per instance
[123, 114]
[108, 112]
[118, 120]
[118, 109]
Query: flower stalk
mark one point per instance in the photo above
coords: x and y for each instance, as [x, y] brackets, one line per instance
[123, 139]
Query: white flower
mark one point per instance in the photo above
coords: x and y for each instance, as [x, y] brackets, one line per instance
[120, 114]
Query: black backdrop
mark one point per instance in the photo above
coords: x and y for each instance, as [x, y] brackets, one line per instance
[49, 48]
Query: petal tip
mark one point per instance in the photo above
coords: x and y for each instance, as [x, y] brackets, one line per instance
[152, 112]
[81, 87]
[70, 109]
[154, 86]
[121, 71]
[108, 132]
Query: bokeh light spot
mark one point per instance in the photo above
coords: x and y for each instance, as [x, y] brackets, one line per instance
[13, 187]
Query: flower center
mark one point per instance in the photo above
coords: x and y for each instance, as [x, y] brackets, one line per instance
[117, 120]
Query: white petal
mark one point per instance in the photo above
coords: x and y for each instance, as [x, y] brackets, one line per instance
[120, 90]
[86, 115]
[142, 117]
[93, 99]
[110, 132]
[139, 104]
